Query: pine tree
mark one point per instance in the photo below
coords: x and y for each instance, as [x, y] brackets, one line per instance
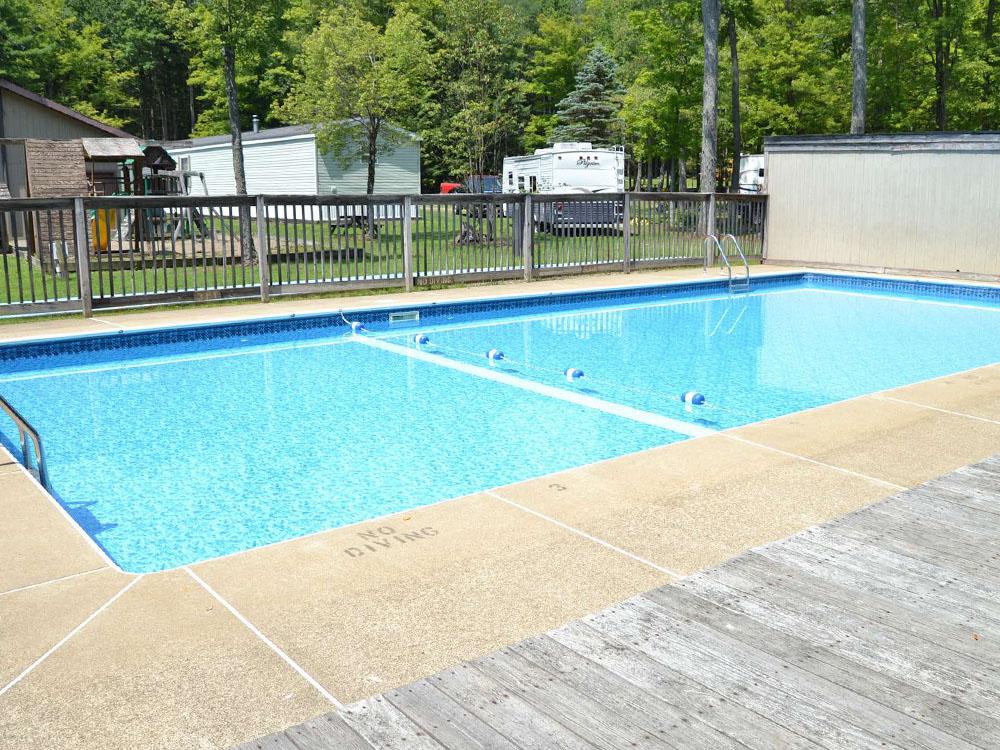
[590, 111]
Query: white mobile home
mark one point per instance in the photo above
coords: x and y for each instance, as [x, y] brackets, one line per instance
[288, 161]
[565, 168]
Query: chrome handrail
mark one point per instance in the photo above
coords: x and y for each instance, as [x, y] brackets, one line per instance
[25, 430]
[722, 254]
[746, 265]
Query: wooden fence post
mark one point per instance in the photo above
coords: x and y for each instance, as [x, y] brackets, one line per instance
[527, 237]
[710, 231]
[263, 251]
[408, 243]
[82, 242]
[627, 234]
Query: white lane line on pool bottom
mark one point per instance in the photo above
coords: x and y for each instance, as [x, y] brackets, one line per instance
[589, 537]
[267, 641]
[31, 667]
[937, 408]
[580, 399]
[53, 580]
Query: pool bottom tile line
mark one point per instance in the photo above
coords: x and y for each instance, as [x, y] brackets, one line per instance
[580, 399]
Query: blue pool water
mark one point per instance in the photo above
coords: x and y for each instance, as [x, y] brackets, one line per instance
[176, 446]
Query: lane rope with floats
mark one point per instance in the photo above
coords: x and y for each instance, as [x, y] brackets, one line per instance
[693, 401]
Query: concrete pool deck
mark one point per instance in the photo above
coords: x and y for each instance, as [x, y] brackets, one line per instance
[239, 647]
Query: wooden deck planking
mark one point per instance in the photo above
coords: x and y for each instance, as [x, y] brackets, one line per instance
[878, 630]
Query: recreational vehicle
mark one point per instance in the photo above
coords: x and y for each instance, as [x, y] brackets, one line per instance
[752, 173]
[567, 168]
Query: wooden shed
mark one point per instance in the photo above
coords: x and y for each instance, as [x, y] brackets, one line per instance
[26, 115]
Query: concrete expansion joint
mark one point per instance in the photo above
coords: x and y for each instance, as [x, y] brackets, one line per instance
[296, 667]
[69, 636]
[966, 415]
[589, 537]
[841, 469]
[52, 580]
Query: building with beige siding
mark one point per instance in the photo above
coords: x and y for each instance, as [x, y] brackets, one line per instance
[25, 115]
[925, 202]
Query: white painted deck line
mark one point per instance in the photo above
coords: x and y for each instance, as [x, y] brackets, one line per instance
[580, 399]
[52, 580]
[790, 454]
[267, 641]
[588, 537]
[31, 667]
[908, 402]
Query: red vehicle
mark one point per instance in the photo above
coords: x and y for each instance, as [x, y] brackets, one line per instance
[450, 187]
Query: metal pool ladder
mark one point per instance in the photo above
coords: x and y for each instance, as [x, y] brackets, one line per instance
[25, 430]
[735, 284]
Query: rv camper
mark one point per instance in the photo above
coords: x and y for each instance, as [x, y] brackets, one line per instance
[568, 168]
[752, 173]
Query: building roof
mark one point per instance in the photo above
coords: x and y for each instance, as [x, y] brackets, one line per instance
[111, 149]
[268, 134]
[892, 142]
[63, 110]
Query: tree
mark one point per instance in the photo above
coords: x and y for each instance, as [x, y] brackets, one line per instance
[356, 80]
[991, 60]
[48, 49]
[235, 28]
[662, 106]
[859, 62]
[710, 12]
[477, 88]
[590, 112]
[795, 69]
[146, 44]
[947, 24]
[555, 52]
[734, 65]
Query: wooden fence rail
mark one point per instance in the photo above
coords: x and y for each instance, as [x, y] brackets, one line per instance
[81, 254]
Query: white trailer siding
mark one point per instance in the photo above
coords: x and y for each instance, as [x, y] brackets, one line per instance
[395, 173]
[285, 165]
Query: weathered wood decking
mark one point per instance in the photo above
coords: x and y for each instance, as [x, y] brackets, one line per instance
[880, 629]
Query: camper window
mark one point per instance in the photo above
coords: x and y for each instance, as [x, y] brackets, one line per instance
[520, 182]
[533, 184]
[510, 179]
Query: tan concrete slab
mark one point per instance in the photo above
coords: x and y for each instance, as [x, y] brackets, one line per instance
[35, 619]
[37, 542]
[208, 313]
[166, 666]
[693, 504]
[46, 327]
[897, 442]
[976, 392]
[373, 606]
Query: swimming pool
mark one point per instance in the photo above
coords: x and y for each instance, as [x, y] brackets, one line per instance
[177, 445]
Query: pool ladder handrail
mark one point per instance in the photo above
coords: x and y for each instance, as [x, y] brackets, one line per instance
[735, 284]
[25, 430]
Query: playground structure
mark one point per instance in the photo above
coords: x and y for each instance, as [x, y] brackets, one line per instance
[105, 167]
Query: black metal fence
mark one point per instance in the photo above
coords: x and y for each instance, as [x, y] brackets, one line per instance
[103, 252]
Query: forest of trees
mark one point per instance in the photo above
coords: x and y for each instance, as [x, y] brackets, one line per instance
[479, 79]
